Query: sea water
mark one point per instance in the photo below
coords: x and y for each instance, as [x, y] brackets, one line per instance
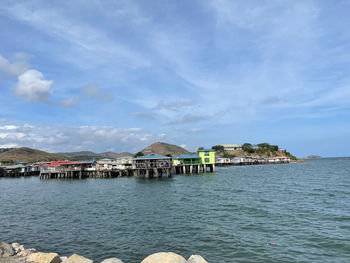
[296, 212]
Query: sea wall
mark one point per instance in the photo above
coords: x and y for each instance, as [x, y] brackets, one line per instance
[16, 253]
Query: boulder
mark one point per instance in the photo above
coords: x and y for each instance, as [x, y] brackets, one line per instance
[17, 247]
[77, 259]
[26, 252]
[112, 260]
[41, 257]
[196, 259]
[6, 250]
[12, 259]
[164, 257]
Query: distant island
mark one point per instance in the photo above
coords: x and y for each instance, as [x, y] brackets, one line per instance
[313, 157]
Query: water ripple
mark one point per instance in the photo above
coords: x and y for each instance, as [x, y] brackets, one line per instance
[230, 216]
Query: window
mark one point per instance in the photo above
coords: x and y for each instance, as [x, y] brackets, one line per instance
[206, 160]
[206, 154]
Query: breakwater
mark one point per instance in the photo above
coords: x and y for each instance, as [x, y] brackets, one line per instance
[16, 253]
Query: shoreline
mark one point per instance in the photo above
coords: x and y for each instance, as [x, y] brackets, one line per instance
[16, 253]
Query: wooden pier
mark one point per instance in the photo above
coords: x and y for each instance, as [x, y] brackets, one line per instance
[193, 168]
[18, 170]
[251, 161]
[71, 173]
[152, 166]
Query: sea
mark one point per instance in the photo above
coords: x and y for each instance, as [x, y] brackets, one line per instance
[298, 212]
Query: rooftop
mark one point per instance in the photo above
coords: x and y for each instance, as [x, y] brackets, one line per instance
[187, 156]
[152, 156]
[65, 162]
[230, 145]
[206, 150]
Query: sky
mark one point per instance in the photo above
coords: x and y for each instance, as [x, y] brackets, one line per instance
[120, 75]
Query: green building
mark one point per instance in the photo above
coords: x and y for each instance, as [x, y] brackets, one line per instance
[207, 156]
[187, 159]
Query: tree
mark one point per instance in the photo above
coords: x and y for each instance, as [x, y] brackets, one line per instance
[200, 148]
[264, 145]
[139, 154]
[247, 147]
[274, 148]
[218, 148]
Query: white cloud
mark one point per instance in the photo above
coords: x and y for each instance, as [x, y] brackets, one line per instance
[8, 145]
[11, 69]
[33, 87]
[8, 127]
[62, 138]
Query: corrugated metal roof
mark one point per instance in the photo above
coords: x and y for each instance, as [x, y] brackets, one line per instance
[187, 156]
[58, 163]
[153, 156]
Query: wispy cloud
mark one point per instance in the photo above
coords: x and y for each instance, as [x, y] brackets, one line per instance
[86, 93]
[144, 115]
[55, 138]
[14, 68]
[85, 38]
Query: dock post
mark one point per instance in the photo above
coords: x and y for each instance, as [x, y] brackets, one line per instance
[184, 169]
[147, 174]
[168, 172]
[191, 168]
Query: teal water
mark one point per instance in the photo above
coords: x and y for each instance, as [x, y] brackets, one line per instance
[230, 216]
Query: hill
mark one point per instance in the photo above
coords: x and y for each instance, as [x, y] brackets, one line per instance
[25, 154]
[2, 150]
[162, 148]
[88, 155]
[263, 150]
[113, 155]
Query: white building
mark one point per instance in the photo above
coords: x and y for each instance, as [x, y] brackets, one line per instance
[231, 147]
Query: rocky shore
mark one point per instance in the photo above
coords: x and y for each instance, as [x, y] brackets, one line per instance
[16, 253]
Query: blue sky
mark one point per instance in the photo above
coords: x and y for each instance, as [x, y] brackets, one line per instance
[119, 75]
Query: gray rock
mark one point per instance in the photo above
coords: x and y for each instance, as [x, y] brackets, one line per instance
[13, 259]
[17, 247]
[21, 248]
[77, 259]
[164, 257]
[41, 257]
[6, 250]
[196, 259]
[112, 260]
[26, 252]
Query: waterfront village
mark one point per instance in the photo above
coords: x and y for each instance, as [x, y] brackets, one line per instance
[142, 166]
